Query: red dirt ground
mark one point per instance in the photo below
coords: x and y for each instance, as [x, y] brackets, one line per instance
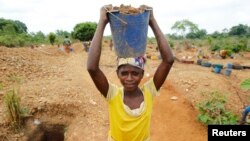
[57, 90]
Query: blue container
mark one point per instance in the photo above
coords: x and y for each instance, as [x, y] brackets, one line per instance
[228, 72]
[217, 69]
[206, 64]
[217, 66]
[229, 65]
[199, 61]
[129, 33]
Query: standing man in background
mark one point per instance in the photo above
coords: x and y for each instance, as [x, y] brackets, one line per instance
[67, 44]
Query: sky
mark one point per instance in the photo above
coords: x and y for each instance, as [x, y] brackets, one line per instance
[51, 15]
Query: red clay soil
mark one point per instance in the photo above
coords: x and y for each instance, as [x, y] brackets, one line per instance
[57, 90]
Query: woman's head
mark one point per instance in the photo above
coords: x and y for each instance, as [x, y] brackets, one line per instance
[130, 71]
[136, 62]
[130, 76]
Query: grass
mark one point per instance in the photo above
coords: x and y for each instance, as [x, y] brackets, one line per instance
[213, 111]
[1, 86]
[16, 113]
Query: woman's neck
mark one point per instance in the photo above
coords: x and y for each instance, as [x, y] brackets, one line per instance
[137, 92]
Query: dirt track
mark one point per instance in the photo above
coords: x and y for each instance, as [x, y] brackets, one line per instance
[58, 91]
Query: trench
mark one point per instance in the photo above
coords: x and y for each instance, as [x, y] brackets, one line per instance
[47, 133]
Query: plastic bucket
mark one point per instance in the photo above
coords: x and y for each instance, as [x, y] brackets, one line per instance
[199, 61]
[229, 65]
[129, 33]
[217, 66]
[217, 69]
[206, 64]
[228, 72]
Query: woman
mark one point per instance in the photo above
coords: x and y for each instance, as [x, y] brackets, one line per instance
[130, 107]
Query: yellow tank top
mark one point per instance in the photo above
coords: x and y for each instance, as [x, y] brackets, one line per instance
[125, 127]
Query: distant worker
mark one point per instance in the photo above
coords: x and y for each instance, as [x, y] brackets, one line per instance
[67, 44]
[200, 53]
[85, 46]
[111, 44]
[245, 113]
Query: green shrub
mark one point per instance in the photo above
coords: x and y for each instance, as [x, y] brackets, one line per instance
[212, 111]
[245, 85]
[84, 31]
[215, 47]
[1, 86]
[15, 112]
[171, 43]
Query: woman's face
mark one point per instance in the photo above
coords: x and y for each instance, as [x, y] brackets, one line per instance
[130, 77]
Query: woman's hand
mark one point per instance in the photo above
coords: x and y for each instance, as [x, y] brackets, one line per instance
[151, 15]
[103, 13]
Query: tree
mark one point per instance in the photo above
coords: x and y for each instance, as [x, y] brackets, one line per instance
[184, 27]
[239, 30]
[9, 29]
[224, 32]
[198, 34]
[52, 38]
[38, 37]
[84, 31]
[216, 34]
[62, 33]
[19, 27]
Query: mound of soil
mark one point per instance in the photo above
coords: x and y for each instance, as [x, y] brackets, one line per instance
[128, 9]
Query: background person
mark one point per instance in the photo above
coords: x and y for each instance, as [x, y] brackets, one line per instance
[67, 44]
[111, 44]
[245, 113]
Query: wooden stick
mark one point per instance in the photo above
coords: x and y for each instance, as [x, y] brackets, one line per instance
[115, 16]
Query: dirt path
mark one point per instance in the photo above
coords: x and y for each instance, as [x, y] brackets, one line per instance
[175, 120]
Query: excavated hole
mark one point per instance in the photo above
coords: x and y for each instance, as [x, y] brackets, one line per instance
[47, 133]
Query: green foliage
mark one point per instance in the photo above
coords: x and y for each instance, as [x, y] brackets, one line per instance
[174, 36]
[60, 35]
[14, 34]
[151, 40]
[215, 47]
[210, 40]
[52, 38]
[212, 110]
[15, 79]
[171, 43]
[216, 34]
[13, 40]
[15, 112]
[18, 26]
[38, 37]
[1, 86]
[185, 26]
[197, 34]
[231, 44]
[245, 84]
[239, 30]
[84, 31]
